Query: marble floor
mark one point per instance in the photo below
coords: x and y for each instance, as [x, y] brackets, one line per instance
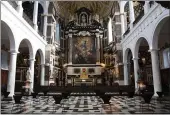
[85, 105]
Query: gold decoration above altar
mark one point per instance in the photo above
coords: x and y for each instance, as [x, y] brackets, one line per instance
[84, 74]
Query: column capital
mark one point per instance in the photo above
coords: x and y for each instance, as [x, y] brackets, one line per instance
[125, 63]
[19, 2]
[123, 13]
[42, 64]
[135, 58]
[147, 2]
[31, 59]
[14, 52]
[36, 1]
[151, 50]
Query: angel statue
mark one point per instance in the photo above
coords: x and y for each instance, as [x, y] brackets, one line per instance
[28, 76]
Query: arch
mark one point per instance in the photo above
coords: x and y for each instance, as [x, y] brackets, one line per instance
[41, 5]
[31, 55]
[42, 56]
[125, 57]
[137, 44]
[10, 34]
[157, 29]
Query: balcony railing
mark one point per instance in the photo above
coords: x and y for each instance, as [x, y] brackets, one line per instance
[13, 4]
[151, 3]
[138, 18]
[127, 31]
[30, 22]
[40, 33]
[25, 16]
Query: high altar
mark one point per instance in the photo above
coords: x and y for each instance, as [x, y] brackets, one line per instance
[84, 51]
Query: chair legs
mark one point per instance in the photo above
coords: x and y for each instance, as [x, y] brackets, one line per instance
[19, 106]
[54, 108]
[149, 106]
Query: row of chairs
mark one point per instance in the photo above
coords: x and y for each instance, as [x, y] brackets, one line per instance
[147, 96]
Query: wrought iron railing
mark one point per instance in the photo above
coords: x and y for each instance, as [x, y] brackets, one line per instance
[30, 22]
[138, 18]
[13, 4]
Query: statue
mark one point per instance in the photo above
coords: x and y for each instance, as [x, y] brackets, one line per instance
[28, 76]
[83, 19]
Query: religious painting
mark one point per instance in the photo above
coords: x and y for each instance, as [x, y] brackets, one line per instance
[84, 51]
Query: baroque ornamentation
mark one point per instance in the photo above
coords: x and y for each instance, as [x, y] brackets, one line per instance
[84, 33]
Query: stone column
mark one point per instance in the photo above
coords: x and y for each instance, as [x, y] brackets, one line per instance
[12, 72]
[98, 45]
[156, 71]
[122, 17]
[32, 73]
[35, 15]
[132, 16]
[71, 47]
[42, 74]
[136, 67]
[19, 8]
[101, 48]
[45, 20]
[146, 6]
[110, 36]
[126, 79]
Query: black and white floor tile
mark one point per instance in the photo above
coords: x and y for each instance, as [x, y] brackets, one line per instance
[85, 104]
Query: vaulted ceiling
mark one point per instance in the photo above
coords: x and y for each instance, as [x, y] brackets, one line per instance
[103, 8]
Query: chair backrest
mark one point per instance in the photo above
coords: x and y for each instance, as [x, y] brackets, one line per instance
[159, 94]
[34, 94]
[147, 96]
[6, 94]
[17, 98]
[57, 99]
[65, 94]
[131, 94]
[106, 99]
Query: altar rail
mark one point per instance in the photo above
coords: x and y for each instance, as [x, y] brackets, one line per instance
[122, 88]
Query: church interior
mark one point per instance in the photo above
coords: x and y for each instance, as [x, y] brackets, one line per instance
[85, 57]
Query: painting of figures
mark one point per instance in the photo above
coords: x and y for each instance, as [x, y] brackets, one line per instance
[84, 51]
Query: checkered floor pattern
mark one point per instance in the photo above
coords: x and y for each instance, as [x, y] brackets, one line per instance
[85, 104]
